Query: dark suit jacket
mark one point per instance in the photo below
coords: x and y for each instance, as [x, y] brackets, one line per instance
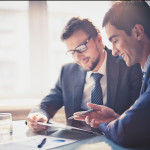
[132, 128]
[123, 88]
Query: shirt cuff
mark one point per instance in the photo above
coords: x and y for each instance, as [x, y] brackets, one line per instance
[103, 127]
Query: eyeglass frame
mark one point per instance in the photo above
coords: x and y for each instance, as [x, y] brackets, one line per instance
[79, 51]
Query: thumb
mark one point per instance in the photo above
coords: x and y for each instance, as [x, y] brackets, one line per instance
[94, 106]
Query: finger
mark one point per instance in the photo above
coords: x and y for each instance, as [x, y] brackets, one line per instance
[80, 118]
[87, 120]
[94, 106]
[77, 113]
[92, 124]
[32, 117]
[42, 127]
[38, 129]
[41, 118]
[31, 122]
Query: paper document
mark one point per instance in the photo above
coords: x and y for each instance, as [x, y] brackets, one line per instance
[31, 143]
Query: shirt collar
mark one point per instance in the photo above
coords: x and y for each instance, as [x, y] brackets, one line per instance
[146, 65]
[101, 70]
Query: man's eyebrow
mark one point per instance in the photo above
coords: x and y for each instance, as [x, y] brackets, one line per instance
[113, 36]
[76, 47]
[80, 45]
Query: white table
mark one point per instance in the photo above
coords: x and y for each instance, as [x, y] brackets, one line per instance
[20, 131]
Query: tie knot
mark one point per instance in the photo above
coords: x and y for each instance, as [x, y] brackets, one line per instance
[96, 76]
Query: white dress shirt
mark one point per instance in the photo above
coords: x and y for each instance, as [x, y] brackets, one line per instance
[146, 65]
[89, 84]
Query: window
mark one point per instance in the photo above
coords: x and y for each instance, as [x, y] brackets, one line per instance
[31, 52]
[14, 51]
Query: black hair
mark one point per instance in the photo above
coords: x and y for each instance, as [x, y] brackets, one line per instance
[76, 23]
[125, 15]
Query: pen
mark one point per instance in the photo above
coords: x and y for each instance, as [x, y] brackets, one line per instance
[42, 143]
[83, 113]
[46, 124]
[38, 123]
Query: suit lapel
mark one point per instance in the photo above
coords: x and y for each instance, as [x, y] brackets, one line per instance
[112, 79]
[78, 88]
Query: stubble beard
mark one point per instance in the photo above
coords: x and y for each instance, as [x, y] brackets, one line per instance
[93, 65]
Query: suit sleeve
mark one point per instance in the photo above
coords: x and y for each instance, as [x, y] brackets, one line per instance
[132, 128]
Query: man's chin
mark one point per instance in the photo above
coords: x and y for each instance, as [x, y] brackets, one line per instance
[129, 64]
[86, 68]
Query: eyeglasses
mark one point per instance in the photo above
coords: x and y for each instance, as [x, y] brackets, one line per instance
[80, 49]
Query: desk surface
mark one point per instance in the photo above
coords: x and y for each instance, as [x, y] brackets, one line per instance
[20, 130]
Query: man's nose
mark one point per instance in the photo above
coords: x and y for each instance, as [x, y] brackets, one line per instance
[114, 51]
[78, 55]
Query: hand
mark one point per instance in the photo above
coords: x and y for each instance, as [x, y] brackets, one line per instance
[32, 120]
[102, 114]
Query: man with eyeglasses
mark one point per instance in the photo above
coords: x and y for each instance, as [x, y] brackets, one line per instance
[120, 85]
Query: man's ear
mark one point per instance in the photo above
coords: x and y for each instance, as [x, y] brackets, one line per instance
[99, 38]
[138, 31]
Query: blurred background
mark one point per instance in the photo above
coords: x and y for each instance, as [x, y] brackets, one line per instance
[31, 52]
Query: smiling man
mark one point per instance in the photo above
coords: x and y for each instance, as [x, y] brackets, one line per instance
[122, 45]
[119, 84]
[127, 25]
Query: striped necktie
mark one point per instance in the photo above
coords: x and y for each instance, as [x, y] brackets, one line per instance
[96, 94]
